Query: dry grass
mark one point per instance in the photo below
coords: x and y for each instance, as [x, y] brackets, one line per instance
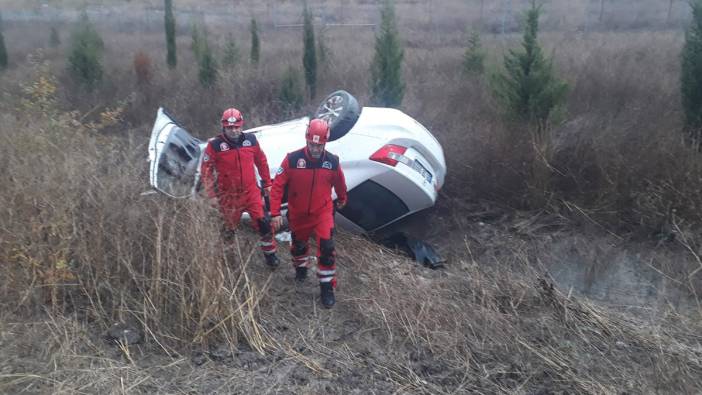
[81, 248]
[473, 328]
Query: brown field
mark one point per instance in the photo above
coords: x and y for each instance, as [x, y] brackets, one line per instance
[581, 279]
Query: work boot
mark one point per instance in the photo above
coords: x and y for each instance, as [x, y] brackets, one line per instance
[327, 295]
[272, 260]
[300, 274]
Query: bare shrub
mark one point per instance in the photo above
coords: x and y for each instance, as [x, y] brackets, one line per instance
[142, 68]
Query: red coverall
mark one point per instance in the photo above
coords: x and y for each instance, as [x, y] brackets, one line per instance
[309, 184]
[228, 175]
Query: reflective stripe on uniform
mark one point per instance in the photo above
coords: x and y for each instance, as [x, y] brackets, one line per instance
[301, 261]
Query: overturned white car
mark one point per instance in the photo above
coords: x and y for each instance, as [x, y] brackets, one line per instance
[393, 165]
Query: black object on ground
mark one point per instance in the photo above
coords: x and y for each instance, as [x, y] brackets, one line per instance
[417, 249]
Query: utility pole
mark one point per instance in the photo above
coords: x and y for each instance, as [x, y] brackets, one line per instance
[670, 9]
[601, 10]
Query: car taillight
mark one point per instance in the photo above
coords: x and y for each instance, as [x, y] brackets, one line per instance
[390, 154]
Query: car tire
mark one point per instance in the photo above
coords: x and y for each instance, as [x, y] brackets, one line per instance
[341, 111]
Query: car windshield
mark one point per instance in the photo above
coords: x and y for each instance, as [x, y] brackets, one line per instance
[371, 206]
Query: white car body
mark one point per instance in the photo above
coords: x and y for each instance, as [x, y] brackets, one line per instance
[379, 193]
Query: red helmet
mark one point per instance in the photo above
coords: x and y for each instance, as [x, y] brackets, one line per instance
[232, 117]
[317, 132]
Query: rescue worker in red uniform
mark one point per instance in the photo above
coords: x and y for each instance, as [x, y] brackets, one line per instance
[229, 176]
[308, 176]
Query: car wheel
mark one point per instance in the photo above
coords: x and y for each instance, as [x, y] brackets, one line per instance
[341, 111]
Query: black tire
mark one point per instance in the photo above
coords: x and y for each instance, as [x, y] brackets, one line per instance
[341, 110]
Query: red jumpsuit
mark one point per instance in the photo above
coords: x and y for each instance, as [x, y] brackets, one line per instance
[308, 183]
[228, 175]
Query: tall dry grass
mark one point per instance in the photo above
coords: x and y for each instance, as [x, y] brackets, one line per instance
[79, 238]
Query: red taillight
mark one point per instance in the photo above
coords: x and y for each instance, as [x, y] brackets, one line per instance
[390, 154]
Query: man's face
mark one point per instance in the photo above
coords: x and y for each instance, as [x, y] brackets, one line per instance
[315, 149]
[233, 132]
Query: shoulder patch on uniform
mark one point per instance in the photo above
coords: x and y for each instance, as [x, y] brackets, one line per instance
[279, 171]
[326, 165]
[246, 143]
[223, 146]
[301, 163]
[206, 158]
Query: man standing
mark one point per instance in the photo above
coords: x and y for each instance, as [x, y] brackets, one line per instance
[229, 176]
[309, 175]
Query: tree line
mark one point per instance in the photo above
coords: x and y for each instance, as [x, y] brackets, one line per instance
[527, 86]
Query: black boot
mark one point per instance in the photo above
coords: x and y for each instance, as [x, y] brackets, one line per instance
[272, 260]
[328, 299]
[300, 273]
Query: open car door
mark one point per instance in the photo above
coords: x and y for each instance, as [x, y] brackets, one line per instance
[174, 157]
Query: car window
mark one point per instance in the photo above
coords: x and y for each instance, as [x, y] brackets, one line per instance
[371, 206]
[177, 163]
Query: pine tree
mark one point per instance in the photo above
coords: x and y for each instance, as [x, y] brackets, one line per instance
[231, 52]
[54, 38]
[255, 44]
[529, 89]
[84, 58]
[207, 73]
[169, 21]
[324, 54]
[197, 40]
[3, 49]
[474, 57]
[309, 57]
[291, 95]
[691, 75]
[3, 52]
[387, 87]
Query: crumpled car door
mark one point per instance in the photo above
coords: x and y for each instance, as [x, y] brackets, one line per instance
[174, 157]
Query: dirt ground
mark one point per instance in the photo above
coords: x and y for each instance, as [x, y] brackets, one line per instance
[525, 304]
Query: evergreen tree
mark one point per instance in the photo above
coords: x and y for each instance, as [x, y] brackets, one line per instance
[231, 52]
[255, 44]
[3, 49]
[309, 57]
[323, 52]
[84, 58]
[474, 57]
[3, 52]
[291, 95]
[387, 87]
[54, 38]
[169, 21]
[529, 89]
[197, 41]
[691, 74]
[207, 73]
